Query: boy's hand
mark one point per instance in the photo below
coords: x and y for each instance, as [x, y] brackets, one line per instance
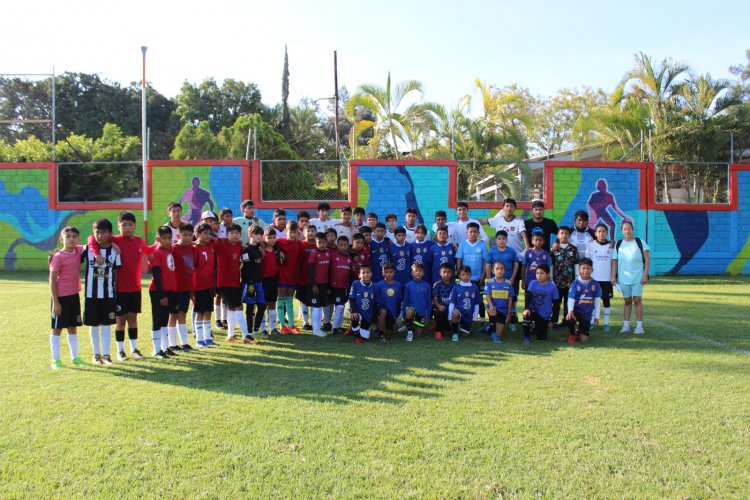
[99, 260]
[571, 316]
[164, 301]
[555, 246]
[526, 313]
[596, 321]
[644, 279]
[56, 308]
[117, 248]
[491, 309]
[355, 316]
[315, 289]
[441, 307]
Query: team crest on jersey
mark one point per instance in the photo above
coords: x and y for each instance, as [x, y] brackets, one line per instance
[466, 293]
[443, 252]
[419, 250]
[401, 253]
[391, 292]
[170, 262]
[366, 294]
[450, 252]
[111, 315]
[478, 250]
[382, 250]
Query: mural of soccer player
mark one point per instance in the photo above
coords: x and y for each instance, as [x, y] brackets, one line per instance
[599, 203]
[197, 198]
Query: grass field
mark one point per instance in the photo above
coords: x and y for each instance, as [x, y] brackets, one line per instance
[666, 414]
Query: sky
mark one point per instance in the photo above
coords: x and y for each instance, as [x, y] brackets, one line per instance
[540, 45]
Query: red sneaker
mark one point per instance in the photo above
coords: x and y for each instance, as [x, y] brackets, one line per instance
[572, 337]
[294, 330]
[358, 340]
[233, 339]
[349, 332]
[438, 336]
[285, 330]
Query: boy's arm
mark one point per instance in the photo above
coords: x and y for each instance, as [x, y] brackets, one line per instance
[93, 247]
[523, 276]
[56, 307]
[514, 274]
[525, 239]
[510, 309]
[614, 271]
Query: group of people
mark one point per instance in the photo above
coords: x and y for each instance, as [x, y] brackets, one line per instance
[393, 278]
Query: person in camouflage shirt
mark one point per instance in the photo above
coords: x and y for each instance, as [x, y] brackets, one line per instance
[564, 259]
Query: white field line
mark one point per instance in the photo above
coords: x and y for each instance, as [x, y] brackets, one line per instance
[701, 338]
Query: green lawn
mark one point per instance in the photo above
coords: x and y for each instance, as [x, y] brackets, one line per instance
[662, 415]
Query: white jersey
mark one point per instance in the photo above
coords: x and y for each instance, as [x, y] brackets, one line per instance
[245, 224]
[342, 230]
[175, 233]
[602, 257]
[410, 237]
[390, 236]
[222, 231]
[581, 240]
[322, 226]
[460, 229]
[452, 239]
[514, 228]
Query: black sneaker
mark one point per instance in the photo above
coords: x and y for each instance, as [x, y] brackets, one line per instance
[169, 352]
[106, 360]
[136, 354]
[160, 355]
[121, 356]
[337, 331]
[176, 347]
[224, 325]
[187, 348]
[327, 327]
[307, 327]
[219, 325]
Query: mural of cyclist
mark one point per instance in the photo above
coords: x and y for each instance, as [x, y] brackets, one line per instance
[197, 198]
[599, 203]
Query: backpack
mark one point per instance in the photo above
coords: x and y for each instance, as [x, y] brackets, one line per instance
[637, 242]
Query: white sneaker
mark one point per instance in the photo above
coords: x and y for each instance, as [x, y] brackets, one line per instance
[319, 333]
[625, 329]
[639, 330]
[409, 336]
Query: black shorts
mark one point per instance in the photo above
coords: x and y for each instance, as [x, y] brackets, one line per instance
[99, 311]
[584, 324]
[321, 298]
[607, 292]
[390, 321]
[303, 294]
[271, 289]
[203, 301]
[498, 318]
[70, 316]
[182, 301]
[160, 313]
[339, 296]
[128, 302]
[232, 296]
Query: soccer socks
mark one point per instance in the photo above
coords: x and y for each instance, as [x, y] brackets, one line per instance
[606, 315]
[172, 331]
[290, 311]
[224, 311]
[95, 339]
[164, 338]
[198, 327]
[328, 313]
[120, 340]
[231, 323]
[194, 321]
[73, 344]
[133, 338]
[259, 317]
[207, 330]
[106, 333]
[183, 332]
[281, 312]
[156, 339]
[240, 319]
[54, 345]
[317, 314]
[272, 319]
[305, 313]
[338, 316]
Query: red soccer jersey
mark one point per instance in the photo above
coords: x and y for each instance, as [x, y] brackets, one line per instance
[183, 267]
[361, 259]
[131, 252]
[341, 270]
[322, 262]
[204, 275]
[163, 259]
[228, 263]
[303, 276]
[293, 253]
[269, 267]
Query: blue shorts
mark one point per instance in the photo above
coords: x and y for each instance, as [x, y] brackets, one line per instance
[628, 291]
[259, 297]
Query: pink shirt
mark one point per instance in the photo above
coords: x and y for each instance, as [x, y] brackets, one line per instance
[68, 269]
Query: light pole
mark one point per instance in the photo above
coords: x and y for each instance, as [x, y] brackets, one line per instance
[144, 145]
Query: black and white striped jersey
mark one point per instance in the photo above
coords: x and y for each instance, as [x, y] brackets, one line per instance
[100, 280]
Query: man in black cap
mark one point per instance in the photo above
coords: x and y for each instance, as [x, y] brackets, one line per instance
[538, 220]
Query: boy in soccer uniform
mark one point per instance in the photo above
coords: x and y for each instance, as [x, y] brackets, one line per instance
[366, 232]
[303, 277]
[344, 227]
[514, 228]
[441, 253]
[228, 280]
[500, 298]
[174, 211]
[342, 268]
[359, 218]
[417, 295]
[540, 294]
[161, 290]
[65, 283]
[279, 222]
[473, 253]
[362, 304]
[371, 220]
[303, 221]
[100, 304]
[583, 303]
[291, 248]
[391, 223]
[227, 219]
[183, 255]
[128, 292]
[322, 222]
[212, 220]
[359, 253]
[600, 253]
[204, 281]
[388, 296]
[410, 224]
[378, 252]
[399, 254]
[248, 219]
[463, 221]
[565, 258]
[252, 285]
[441, 299]
[532, 259]
[270, 277]
[580, 235]
[464, 304]
[319, 266]
[328, 310]
[441, 220]
[420, 249]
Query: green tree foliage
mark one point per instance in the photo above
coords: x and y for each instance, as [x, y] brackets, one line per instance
[285, 96]
[197, 142]
[218, 106]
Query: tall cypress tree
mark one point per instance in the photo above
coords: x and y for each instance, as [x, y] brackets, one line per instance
[285, 96]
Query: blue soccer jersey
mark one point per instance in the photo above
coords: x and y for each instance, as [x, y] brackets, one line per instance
[439, 255]
[362, 299]
[475, 256]
[417, 295]
[585, 294]
[443, 291]
[532, 259]
[378, 257]
[465, 298]
[400, 257]
[508, 257]
[420, 253]
[499, 293]
[542, 297]
[388, 296]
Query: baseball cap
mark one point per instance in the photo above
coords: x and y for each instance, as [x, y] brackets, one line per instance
[208, 214]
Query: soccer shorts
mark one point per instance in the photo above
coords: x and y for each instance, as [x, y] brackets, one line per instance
[584, 324]
[303, 294]
[232, 296]
[99, 311]
[499, 317]
[607, 292]
[70, 316]
[204, 301]
[390, 320]
[441, 319]
[338, 296]
[160, 313]
[271, 288]
[128, 302]
[319, 299]
[634, 290]
[257, 294]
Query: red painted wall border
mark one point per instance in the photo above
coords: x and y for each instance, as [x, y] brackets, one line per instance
[733, 204]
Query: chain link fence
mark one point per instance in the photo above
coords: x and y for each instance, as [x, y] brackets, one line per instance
[100, 182]
[691, 182]
[304, 180]
[497, 180]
